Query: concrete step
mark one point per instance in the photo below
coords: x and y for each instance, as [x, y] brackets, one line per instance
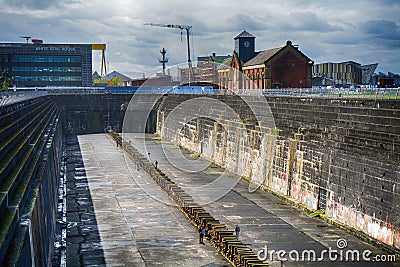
[20, 175]
[27, 195]
[19, 141]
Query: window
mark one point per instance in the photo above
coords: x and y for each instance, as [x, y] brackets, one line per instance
[46, 59]
[277, 85]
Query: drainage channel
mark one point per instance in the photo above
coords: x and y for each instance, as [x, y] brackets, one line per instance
[223, 239]
[60, 241]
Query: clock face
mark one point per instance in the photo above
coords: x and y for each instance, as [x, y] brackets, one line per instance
[246, 43]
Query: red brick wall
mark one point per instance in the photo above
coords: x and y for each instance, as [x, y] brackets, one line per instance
[289, 70]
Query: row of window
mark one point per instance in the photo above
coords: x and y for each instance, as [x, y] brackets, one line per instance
[4, 58]
[46, 69]
[35, 58]
[49, 78]
[255, 76]
[247, 83]
[337, 75]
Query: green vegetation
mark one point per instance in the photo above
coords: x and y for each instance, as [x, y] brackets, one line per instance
[117, 81]
[4, 87]
[6, 81]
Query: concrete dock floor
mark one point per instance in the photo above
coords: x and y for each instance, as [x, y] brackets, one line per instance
[265, 219]
[134, 228]
[142, 228]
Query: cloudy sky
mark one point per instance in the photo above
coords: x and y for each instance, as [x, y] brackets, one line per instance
[363, 31]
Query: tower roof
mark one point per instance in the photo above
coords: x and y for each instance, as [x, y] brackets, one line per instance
[244, 34]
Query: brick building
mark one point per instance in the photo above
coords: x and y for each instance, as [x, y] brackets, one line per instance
[282, 67]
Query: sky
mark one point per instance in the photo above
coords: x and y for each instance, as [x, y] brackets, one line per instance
[326, 31]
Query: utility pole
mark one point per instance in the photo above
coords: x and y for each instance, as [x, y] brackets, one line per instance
[163, 60]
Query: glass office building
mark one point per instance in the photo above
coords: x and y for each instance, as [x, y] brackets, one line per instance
[44, 65]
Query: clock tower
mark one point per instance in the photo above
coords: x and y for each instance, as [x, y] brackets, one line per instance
[245, 46]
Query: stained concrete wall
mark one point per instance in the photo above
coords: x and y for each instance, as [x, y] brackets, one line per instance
[30, 164]
[92, 113]
[340, 155]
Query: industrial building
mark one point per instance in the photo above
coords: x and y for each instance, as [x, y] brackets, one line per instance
[206, 69]
[38, 64]
[282, 67]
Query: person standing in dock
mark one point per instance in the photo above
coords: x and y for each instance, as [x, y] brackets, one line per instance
[202, 233]
[237, 231]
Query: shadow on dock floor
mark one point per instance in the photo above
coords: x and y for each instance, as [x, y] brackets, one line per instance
[83, 239]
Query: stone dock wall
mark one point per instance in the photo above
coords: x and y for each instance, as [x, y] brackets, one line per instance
[339, 155]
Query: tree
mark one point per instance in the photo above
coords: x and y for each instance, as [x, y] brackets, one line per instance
[6, 81]
[100, 82]
[116, 81]
[5, 85]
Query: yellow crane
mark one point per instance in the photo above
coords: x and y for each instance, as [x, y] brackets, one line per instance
[187, 28]
[101, 47]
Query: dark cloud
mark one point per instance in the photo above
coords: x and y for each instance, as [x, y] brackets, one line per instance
[325, 30]
[381, 29]
[308, 21]
[241, 21]
[34, 4]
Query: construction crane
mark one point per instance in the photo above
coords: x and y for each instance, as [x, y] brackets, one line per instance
[187, 28]
[26, 38]
[101, 47]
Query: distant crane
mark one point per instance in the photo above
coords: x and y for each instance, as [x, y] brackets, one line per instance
[187, 28]
[163, 60]
[101, 47]
[26, 37]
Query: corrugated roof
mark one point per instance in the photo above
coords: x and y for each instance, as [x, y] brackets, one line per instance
[244, 34]
[262, 56]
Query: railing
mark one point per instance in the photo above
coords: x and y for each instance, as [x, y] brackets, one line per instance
[381, 93]
[21, 94]
[11, 97]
